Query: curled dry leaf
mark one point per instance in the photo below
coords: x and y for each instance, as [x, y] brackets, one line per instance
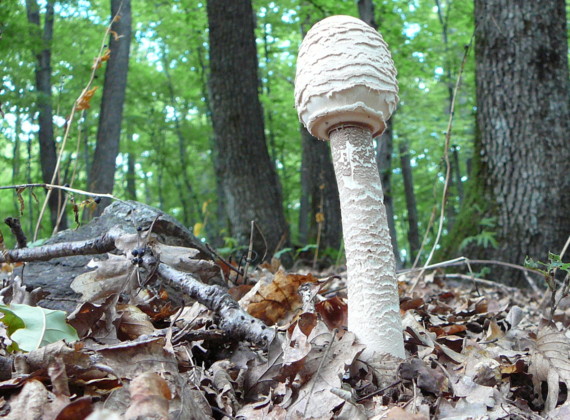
[275, 301]
[133, 322]
[223, 383]
[550, 362]
[334, 312]
[84, 102]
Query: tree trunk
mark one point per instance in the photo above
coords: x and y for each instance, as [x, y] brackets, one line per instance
[413, 231]
[102, 175]
[384, 148]
[457, 172]
[48, 155]
[522, 117]
[250, 182]
[131, 187]
[317, 171]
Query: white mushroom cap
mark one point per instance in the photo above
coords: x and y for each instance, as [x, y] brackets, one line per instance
[345, 75]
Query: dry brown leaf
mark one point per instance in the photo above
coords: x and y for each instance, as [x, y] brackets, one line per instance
[30, 403]
[275, 301]
[324, 365]
[223, 383]
[427, 379]
[150, 397]
[84, 102]
[133, 322]
[84, 318]
[110, 277]
[184, 259]
[334, 312]
[550, 362]
[79, 408]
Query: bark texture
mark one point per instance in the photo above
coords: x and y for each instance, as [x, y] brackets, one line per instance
[251, 187]
[374, 306]
[384, 148]
[48, 155]
[522, 102]
[102, 175]
[413, 231]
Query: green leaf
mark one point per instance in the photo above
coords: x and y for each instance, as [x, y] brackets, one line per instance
[12, 321]
[32, 327]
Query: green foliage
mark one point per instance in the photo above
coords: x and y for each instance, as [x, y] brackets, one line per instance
[167, 100]
[32, 327]
[547, 269]
[485, 238]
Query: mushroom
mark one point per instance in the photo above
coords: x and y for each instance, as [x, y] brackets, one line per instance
[345, 90]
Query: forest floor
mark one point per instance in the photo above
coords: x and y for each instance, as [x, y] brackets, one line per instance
[475, 350]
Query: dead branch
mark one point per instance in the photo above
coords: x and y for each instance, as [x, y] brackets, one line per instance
[99, 245]
[16, 228]
[234, 320]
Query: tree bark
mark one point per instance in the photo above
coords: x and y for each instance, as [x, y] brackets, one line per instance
[250, 182]
[102, 175]
[384, 148]
[317, 171]
[522, 117]
[48, 155]
[413, 231]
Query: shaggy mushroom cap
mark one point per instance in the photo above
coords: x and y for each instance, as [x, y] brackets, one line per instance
[345, 75]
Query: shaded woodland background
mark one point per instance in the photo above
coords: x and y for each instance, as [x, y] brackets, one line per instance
[193, 113]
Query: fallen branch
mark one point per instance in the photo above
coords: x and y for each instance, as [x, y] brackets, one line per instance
[99, 245]
[236, 322]
[233, 319]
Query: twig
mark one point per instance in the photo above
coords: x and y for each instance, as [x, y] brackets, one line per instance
[481, 281]
[60, 187]
[466, 261]
[16, 228]
[249, 252]
[99, 245]
[446, 158]
[234, 320]
[321, 363]
[378, 391]
[222, 259]
[69, 120]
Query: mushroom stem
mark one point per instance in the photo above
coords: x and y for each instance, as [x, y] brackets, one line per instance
[374, 307]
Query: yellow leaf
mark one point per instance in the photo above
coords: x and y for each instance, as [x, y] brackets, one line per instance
[198, 227]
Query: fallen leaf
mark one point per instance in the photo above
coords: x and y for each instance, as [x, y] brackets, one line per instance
[278, 299]
[133, 322]
[150, 397]
[550, 362]
[334, 312]
[110, 277]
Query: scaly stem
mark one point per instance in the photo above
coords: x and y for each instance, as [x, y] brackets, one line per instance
[373, 302]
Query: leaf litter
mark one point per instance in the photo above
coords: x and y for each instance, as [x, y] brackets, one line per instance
[472, 351]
